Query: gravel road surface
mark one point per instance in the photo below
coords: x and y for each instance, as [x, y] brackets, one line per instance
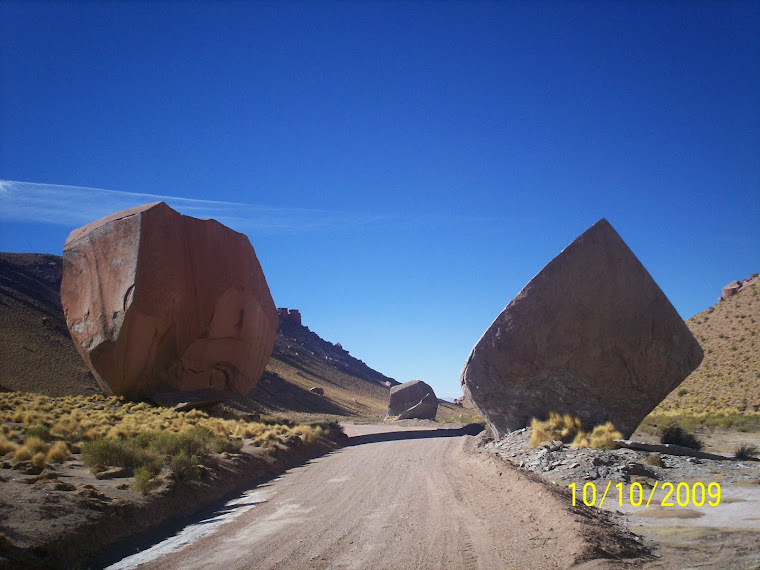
[396, 497]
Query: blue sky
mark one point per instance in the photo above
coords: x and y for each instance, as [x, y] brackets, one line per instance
[402, 169]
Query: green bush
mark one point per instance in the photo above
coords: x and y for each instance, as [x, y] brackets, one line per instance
[145, 480]
[119, 453]
[185, 466]
[41, 431]
[676, 435]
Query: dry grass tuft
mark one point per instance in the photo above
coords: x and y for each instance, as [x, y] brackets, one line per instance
[567, 428]
[558, 427]
[58, 452]
[137, 436]
[601, 437]
[6, 446]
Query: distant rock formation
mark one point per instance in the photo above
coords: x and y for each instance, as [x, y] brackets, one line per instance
[736, 286]
[296, 339]
[592, 335]
[291, 316]
[413, 399]
[160, 302]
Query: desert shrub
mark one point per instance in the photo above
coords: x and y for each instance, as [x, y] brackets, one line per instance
[58, 452]
[746, 451]
[226, 445]
[145, 480]
[654, 459]
[601, 437]
[39, 431]
[185, 466]
[676, 435]
[118, 453]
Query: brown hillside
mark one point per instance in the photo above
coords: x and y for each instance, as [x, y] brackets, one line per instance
[36, 352]
[729, 376]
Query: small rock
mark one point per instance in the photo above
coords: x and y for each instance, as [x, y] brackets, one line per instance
[113, 473]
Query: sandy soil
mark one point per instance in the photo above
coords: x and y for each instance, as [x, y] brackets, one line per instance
[397, 497]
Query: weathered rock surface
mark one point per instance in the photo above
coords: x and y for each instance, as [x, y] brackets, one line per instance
[592, 335]
[160, 302]
[413, 399]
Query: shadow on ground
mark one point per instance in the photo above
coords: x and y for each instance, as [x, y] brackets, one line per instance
[469, 429]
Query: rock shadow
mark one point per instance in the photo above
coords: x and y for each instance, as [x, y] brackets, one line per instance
[469, 429]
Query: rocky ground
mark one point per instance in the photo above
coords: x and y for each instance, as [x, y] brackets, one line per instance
[722, 536]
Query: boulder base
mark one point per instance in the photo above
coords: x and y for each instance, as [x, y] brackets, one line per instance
[160, 302]
[413, 399]
[592, 335]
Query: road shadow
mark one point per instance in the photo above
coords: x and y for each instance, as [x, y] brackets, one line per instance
[469, 429]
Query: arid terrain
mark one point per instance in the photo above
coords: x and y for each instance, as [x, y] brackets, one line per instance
[446, 505]
[729, 377]
[403, 494]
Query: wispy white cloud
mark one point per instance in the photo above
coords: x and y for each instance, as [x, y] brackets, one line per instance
[75, 206]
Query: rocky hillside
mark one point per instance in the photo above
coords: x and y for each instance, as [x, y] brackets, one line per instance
[37, 355]
[36, 351]
[729, 376]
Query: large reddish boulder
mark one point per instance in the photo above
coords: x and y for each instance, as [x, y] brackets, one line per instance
[591, 335]
[160, 302]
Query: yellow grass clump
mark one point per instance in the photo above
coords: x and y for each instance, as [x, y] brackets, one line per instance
[601, 437]
[58, 452]
[558, 427]
[568, 428]
[6, 446]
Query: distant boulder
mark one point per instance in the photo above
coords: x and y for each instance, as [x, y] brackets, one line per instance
[731, 289]
[413, 399]
[592, 335]
[737, 286]
[464, 402]
[318, 391]
[160, 302]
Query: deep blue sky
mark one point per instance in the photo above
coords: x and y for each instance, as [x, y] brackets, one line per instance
[419, 162]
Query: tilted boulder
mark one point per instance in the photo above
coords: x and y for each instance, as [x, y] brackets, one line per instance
[591, 335]
[413, 399]
[160, 302]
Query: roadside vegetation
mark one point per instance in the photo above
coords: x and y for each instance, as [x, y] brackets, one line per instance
[674, 434]
[727, 419]
[140, 438]
[569, 429]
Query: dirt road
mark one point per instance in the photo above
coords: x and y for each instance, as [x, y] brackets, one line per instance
[397, 497]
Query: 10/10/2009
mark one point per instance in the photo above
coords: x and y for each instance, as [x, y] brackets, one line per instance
[681, 494]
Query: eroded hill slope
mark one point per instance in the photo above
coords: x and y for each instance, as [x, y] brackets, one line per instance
[729, 376]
